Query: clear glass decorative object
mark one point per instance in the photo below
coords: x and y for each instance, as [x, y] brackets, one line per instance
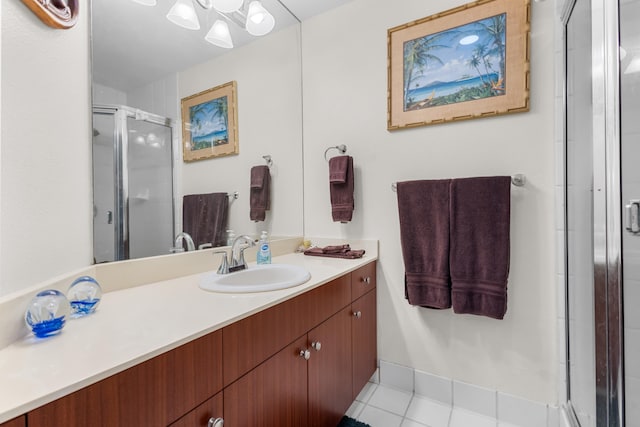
[47, 313]
[84, 296]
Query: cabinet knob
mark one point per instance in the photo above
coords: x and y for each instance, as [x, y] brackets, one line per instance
[306, 354]
[215, 422]
[357, 314]
[317, 345]
[366, 280]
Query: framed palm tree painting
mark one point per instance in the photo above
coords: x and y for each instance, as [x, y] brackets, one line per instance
[464, 63]
[210, 123]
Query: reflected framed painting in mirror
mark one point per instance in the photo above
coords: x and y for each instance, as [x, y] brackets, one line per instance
[210, 123]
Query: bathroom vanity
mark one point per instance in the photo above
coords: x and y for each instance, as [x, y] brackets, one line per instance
[300, 361]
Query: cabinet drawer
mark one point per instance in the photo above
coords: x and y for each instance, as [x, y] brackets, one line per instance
[156, 392]
[363, 280]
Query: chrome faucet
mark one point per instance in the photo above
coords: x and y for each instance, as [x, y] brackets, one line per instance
[238, 246]
[177, 246]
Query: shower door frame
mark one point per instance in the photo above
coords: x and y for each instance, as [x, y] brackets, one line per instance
[121, 182]
[607, 215]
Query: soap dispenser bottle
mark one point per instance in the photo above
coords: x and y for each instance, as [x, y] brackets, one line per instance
[264, 249]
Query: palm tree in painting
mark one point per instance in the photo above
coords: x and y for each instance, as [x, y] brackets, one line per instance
[474, 62]
[221, 109]
[417, 56]
[495, 28]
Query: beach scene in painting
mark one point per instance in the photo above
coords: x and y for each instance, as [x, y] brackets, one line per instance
[209, 124]
[461, 64]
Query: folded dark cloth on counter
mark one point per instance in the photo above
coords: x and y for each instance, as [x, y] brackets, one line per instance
[337, 251]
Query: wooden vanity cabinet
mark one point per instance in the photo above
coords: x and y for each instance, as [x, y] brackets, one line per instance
[154, 393]
[299, 363]
[16, 422]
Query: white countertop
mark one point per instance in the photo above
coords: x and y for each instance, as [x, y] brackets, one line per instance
[134, 325]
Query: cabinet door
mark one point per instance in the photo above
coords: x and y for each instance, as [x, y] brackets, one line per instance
[200, 416]
[330, 370]
[364, 340]
[16, 422]
[363, 280]
[272, 394]
[154, 393]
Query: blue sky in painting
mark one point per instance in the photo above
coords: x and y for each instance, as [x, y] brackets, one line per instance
[205, 121]
[454, 55]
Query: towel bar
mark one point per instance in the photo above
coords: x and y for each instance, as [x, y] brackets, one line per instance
[518, 180]
[234, 195]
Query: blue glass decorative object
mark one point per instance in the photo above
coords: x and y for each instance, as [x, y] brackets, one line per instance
[47, 313]
[84, 295]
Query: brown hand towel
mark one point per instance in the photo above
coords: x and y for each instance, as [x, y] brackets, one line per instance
[339, 251]
[480, 211]
[423, 208]
[204, 217]
[341, 190]
[259, 193]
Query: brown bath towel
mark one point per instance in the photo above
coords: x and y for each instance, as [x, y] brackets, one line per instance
[341, 188]
[480, 211]
[204, 217]
[259, 193]
[423, 208]
[338, 251]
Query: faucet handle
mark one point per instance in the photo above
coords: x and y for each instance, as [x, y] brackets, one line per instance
[224, 264]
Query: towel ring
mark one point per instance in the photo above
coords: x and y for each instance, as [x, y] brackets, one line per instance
[341, 148]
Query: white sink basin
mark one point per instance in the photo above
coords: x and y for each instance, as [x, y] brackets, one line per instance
[257, 278]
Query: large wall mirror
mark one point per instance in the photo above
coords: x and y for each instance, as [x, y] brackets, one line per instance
[143, 65]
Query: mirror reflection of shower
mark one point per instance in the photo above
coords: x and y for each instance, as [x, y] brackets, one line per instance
[133, 183]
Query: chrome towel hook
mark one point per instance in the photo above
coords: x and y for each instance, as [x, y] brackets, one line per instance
[267, 158]
[341, 148]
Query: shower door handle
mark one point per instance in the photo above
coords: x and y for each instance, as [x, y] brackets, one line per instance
[632, 216]
[109, 217]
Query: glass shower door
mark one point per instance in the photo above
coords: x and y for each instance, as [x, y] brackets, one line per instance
[630, 148]
[150, 187]
[579, 215]
[133, 184]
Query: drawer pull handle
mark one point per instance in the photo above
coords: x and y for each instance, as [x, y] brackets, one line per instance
[215, 422]
[366, 280]
[306, 354]
[317, 345]
[357, 314]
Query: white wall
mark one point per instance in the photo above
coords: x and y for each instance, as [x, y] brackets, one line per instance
[267, 73]
[45, 217]
[345, 89]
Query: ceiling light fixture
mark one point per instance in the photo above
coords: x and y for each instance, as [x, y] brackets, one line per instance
[254, 18]
[259, 20]
[183, 14]
[219, 35]
[227, 6]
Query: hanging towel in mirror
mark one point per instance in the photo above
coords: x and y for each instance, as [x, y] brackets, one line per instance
[204, 217]
[479, 255]
[341, 188]
[259, 193]
[423, 208]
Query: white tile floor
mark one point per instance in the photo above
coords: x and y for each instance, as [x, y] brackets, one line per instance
[384, 406]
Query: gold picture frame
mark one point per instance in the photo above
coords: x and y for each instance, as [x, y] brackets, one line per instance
[468, 62]
[210, 123]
